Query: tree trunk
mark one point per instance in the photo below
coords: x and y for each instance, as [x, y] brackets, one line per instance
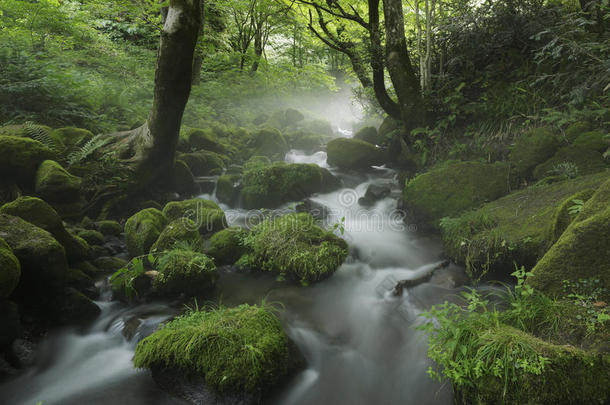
[151, 147]
[258, 49]
[399, 66]
[198, 58]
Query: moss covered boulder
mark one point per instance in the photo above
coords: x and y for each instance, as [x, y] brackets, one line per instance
[367, 134]
[208, 216]
[582, 250]
[143, 229]
[184, 272]
[452, 189]
[513, 229]
[353, 154]
[10, 270]
[92, 237]
[271, 186]
[571, 161]
[593, 140]
[566, 212]
[20, 158]
[37, 212]
[179, 231]
[76, 307]
[268, 142]
[228, 188]
[294, 247]
[241, 350]
[531, 149]
[71, 137]
[55, 185]
[204, 162]
[576, 129]
[109, 228]
[207, 139]
[308, 142]
[226, 246]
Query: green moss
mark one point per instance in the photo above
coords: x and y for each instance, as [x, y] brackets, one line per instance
[573, 131]
[71, 137]
[37, 212]
[452, 189]
[143, 229]
[10, 270]
[367, 134]
[268, 142]
[270, 186]
[593, 140]
[55, 184]
[109, 228]
[184, 272]
[20, 157]
[242, 349]
[205, 213]
[353, 154]
[532, 149]
[514, 228]
[256, 162]
[109, 263]
[228, 187]
[226, 246]
[204, 163]
[92, 237]
[562, 217]
[179, 231]
[306, 141]
[581, 252]
[587, 161]
[293, 247]
[204, 139]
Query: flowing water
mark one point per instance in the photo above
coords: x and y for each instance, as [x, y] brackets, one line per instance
[360, 342]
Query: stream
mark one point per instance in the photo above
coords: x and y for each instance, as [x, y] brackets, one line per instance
[360, 342]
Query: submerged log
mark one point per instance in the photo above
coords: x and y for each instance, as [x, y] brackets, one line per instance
[423, 278]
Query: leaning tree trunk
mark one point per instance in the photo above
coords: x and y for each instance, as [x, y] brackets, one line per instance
[399, 65]
[151, 147]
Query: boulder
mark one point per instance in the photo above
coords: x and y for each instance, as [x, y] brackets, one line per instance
[55, 185]
[374, 193]
[142, 230]
[109, 228]
[271, 186]
[306, 141]
[77, 307]
[37, 212]
[204, 163]
[71, 138]
[353, 154]
[228, 188]
[20, 158]
[208, 216]
[293, 117]
[268, 142]
[367, 134]
[92, 237]
[184, 272]
[532, 149]
[226, 246]
[199, 139]
[315, 209]
[180, 231]
[571, 161]
[109, 263]
[294, 247]
[10, 270]
[594, 140]
[574, 130]
[452, 189]
[563, 216]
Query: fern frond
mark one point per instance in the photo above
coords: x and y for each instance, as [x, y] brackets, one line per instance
[82, 153]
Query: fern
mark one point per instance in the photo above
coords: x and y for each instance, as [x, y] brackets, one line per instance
[41, 134]
[87, 149]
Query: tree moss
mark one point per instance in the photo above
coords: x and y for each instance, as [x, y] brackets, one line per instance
[226, 246]
[143, 229]
[184, 272]
[228, 187]
[353, 154]
[270, 186]
[181, 230]
[532, 149]
[10, 270]
[109, 228]
[587, 161]
[293, 247]
[208, 216]
[268, 142]
[512, 229]
[20, 157]
[55, 184]
[593, 140]
[241, 349]
[562, 216]
[452, 189]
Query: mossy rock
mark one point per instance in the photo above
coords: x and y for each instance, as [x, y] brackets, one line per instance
[39, 213]
[76, 307]
[142, 230]
[179, 231]
[21, 157]
[92, 237]
[452, 189]
[318, 126]
[367, 134]
[294, 247]
[226, 246]
[183, 181]
[71, 137]
[531, 149]
[563, 218]
[271, 186]
[293, 116]
[512, 229]
[199, 139]
[237, 350]
[205, 213]
[582, 250]
[54, 184]
[10, 270]
[268, 142]
[109, 228]
[204, 163]
[256, 162]
[43, 261]
[184, 272]
[575, 130]
[79, 280]
[306, 141]
[11, 322]
[228, 188]
[593, 140]
[353, 154]
[586, 161]
[109, 263]
[571, 375]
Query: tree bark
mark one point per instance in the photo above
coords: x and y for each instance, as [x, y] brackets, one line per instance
[151, 147]
[399, 66]
[198, 58]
